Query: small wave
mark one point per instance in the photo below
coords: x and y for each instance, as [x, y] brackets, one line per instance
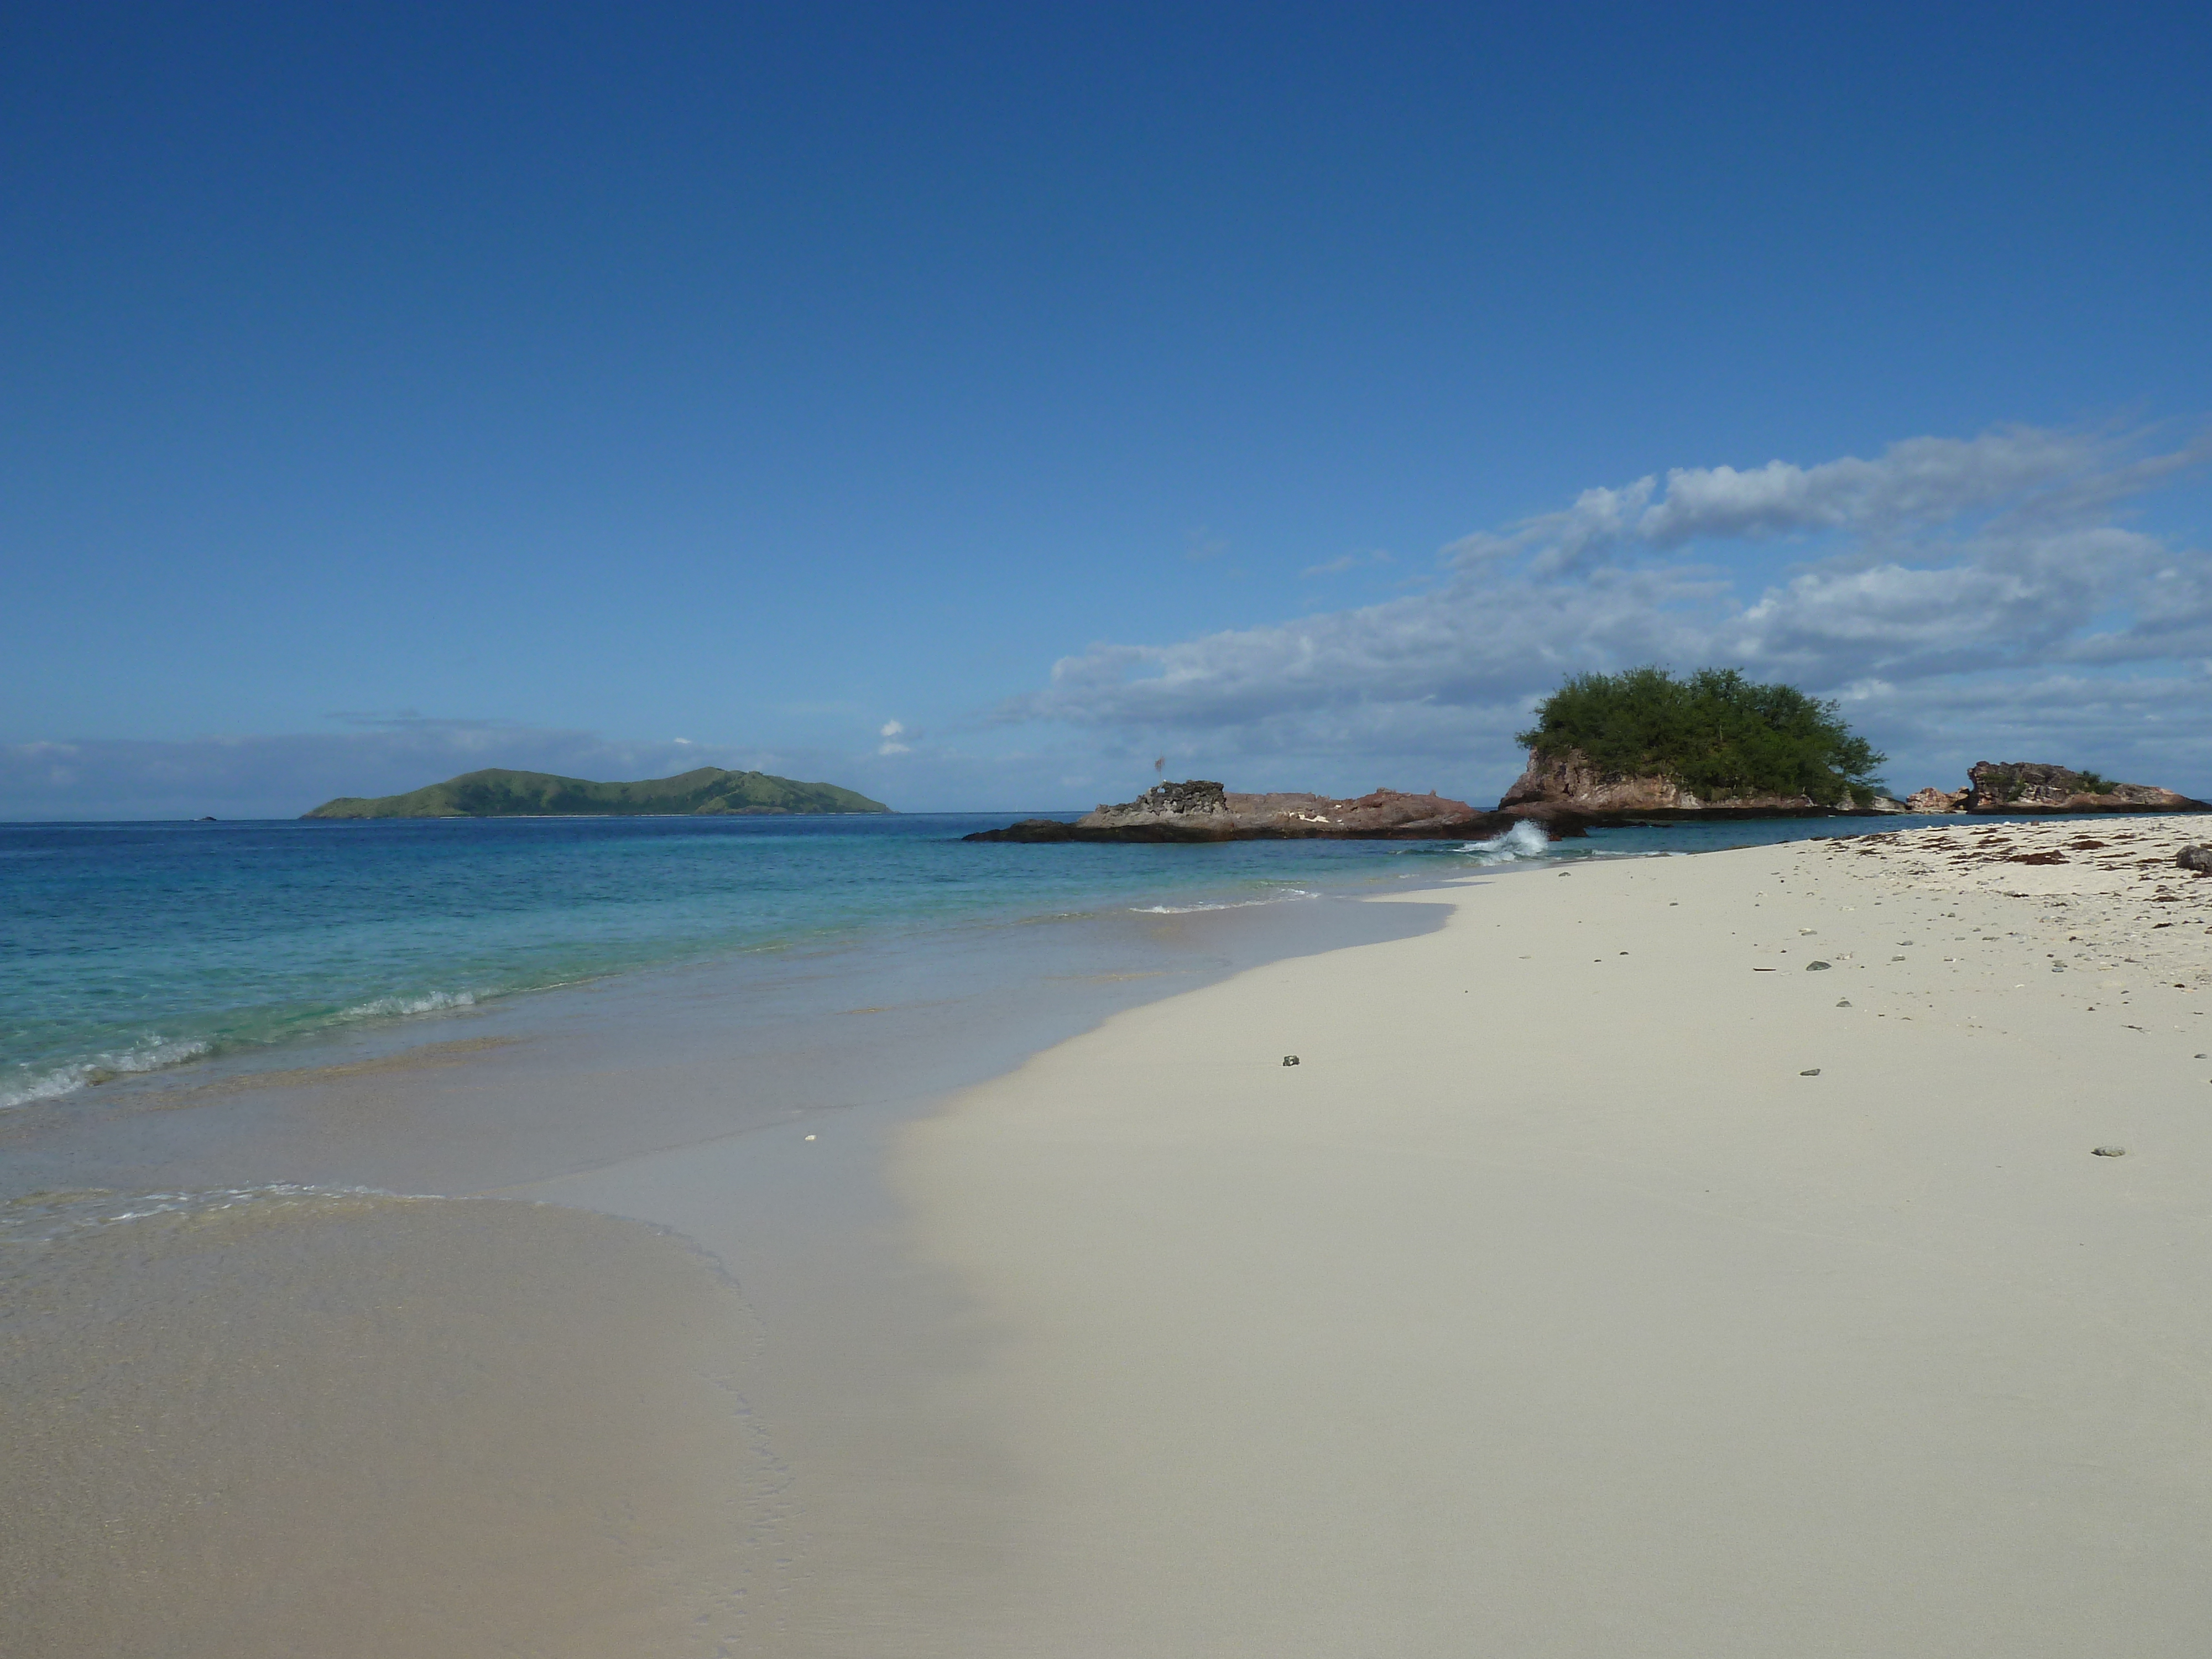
[431, 1002]
[50, 1218]
[1523, 841]
[1289, 895]
[149, 1055]
[156, 1053]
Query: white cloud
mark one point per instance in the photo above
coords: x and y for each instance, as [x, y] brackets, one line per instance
[890, 734]
[1921, 481]
[1940, 560]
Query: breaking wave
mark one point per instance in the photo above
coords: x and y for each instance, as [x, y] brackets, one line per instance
[27, 1085]
[150, 1055]
[1523, 841]
[385, 1007]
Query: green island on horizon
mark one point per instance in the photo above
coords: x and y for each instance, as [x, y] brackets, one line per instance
[707, 792]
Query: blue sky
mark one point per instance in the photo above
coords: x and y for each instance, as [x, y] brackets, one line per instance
[972, 404]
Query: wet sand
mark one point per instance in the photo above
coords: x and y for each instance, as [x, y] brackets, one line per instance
[1608, 1279]
[287, 1424]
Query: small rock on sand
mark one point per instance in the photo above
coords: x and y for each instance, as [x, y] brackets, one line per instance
[2108, 1152]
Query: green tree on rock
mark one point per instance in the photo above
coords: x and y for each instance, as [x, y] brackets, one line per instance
[1716, 733]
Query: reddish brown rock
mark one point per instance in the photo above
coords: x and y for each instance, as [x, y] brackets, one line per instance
[1201, 809]
[2035, 786]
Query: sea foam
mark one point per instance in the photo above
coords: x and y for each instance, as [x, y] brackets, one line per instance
[432, 1003]
[150, 1055]
[1287, 896]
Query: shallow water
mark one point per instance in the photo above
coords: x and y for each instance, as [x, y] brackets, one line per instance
[130, 948]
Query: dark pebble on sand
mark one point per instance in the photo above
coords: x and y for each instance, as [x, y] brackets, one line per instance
[1815, 966]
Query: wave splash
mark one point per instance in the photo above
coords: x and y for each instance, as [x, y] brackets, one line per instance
[1523, 841]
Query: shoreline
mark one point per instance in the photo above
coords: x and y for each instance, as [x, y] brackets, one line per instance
[1102, 1331]
[192, 1045]
[861, 1453]
[136, 984]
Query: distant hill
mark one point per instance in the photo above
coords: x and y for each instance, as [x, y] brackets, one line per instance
[498, 794]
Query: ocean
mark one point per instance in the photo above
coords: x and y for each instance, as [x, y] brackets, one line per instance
[128, 950]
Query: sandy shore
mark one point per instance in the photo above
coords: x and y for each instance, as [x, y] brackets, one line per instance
[1609, 1279]
[278, 1424]
[1606, 1280]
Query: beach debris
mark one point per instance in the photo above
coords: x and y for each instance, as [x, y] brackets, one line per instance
[810, 1137]
[1290, 1060]
[1815, 1072]
[1844, 1002]
[1816, 967]
[2108, 1152]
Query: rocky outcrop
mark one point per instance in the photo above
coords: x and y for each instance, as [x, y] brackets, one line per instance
[2035, 787]
[1569, 782]
[1201, 811]
[1932, 799]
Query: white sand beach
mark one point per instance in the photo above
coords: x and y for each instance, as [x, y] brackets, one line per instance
[1606, 1279]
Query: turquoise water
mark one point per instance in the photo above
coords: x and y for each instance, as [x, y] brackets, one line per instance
[130, 947]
